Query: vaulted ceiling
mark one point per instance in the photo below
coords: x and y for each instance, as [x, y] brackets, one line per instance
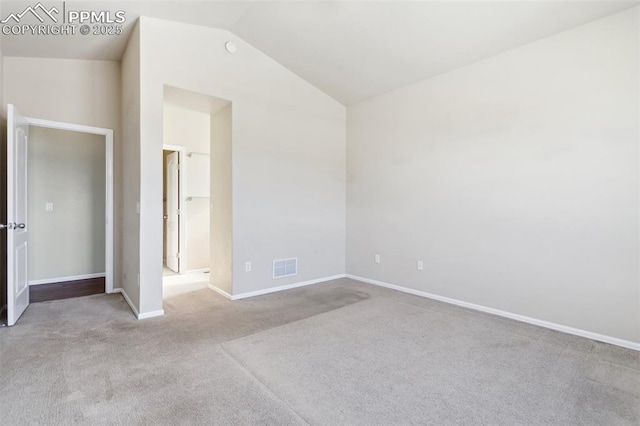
[352, 50]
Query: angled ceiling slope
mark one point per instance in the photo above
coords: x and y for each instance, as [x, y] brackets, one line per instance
[350, 50]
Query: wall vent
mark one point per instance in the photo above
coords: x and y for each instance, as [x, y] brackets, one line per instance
[285, 268]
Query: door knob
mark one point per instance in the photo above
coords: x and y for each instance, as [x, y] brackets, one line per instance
[13, 226]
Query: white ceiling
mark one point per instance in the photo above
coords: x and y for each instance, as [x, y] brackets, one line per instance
[351, 50]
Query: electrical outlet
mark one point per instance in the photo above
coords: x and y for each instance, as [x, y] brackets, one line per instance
[376, 258]
[48, 207]
[420, 265]
[247, 266]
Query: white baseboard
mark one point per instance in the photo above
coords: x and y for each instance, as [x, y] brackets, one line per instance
[220, 291]
[66, 279]
[127, 299]
[541, 323]
[152, 314]
[194, 271]
[138, 315]
[274, 289]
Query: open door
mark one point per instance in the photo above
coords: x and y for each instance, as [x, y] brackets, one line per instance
[17, 282]
[173, 213]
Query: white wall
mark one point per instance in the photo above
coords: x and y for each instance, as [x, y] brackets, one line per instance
[66, 169]
[288, 156]
[514, 179]
[221, 275]
[192, 130]
[131, 167]
[72, 91]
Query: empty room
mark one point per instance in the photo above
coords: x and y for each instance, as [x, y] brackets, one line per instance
[327, 213]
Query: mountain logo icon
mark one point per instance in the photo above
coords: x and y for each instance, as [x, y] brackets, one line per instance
[38, 11]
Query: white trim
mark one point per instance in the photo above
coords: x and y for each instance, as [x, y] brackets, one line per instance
[274, 289]
[127, 299]
[152, 314]
[108, 134]
[138, 315]
[195, 271]
[541, 323]
[220, 291]
[638, 235]
[182, 206]
[65, 279]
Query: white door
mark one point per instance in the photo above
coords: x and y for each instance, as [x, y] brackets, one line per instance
[173, 213]
[17, 283]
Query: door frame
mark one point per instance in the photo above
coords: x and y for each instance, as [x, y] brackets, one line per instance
[108, 134]
[182, 205]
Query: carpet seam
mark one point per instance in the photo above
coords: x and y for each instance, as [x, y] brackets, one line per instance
[263, 385]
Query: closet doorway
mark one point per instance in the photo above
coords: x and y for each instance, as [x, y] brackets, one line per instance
[194, 127]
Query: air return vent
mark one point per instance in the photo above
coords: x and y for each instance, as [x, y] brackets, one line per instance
[285, 268]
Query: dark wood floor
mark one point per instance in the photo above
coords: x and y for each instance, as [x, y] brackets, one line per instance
[65, 290]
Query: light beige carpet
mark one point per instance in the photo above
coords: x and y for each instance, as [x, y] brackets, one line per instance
[334, 353]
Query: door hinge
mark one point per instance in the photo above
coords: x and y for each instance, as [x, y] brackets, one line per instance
[178, 212]
[178, 255]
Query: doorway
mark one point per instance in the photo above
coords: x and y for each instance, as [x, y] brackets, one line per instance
[188, 134]
[186, 204]
[59, 212]
[66, 213]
